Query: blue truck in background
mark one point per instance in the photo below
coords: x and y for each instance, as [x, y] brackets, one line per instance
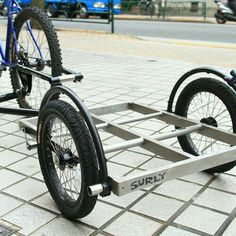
[83, 8]
[74, 8]
[24, 2]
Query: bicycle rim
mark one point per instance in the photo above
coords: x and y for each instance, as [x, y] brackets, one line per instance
[209, 109]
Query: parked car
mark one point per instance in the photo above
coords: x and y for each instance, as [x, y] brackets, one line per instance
[83, 8]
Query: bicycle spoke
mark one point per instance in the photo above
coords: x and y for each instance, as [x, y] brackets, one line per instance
[60, 141]
[208, 106]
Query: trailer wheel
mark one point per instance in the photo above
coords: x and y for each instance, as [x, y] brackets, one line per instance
[212, 102]
[67, 158]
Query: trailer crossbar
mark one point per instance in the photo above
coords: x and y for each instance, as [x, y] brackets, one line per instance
[139, 141]
[167, 117]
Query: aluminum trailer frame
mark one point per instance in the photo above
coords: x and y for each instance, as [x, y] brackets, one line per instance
[183, 163]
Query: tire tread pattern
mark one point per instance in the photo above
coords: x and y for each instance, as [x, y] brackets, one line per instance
[87, 153]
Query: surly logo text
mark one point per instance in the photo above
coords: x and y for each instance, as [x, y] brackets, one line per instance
[148, 180]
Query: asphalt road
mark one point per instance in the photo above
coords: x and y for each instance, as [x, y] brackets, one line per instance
[176, 30]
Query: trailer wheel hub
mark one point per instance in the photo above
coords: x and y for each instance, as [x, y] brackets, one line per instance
[209, 121]
[66, 158]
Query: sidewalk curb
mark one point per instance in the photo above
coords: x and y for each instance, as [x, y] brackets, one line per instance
[208, 20]
[168, 19]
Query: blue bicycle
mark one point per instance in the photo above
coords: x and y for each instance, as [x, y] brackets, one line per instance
[32, 50]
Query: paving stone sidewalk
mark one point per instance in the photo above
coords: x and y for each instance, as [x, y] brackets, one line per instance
[121, 68]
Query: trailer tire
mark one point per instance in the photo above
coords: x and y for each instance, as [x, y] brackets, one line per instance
[224, 96]
[67, 158]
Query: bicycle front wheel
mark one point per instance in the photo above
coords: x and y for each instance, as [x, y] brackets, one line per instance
[38, 49]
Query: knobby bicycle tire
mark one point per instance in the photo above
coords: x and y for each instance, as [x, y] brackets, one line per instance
[62, 132]
[224, 96]
[40, 19]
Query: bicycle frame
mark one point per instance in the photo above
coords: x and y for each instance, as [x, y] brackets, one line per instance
[11, 37]
[14, 8]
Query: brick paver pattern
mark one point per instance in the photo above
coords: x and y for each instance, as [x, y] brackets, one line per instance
[121, 68]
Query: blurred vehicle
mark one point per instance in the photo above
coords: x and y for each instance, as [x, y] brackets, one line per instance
[24, 3]
[56, 7]
[83, 8]
[224, 13]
